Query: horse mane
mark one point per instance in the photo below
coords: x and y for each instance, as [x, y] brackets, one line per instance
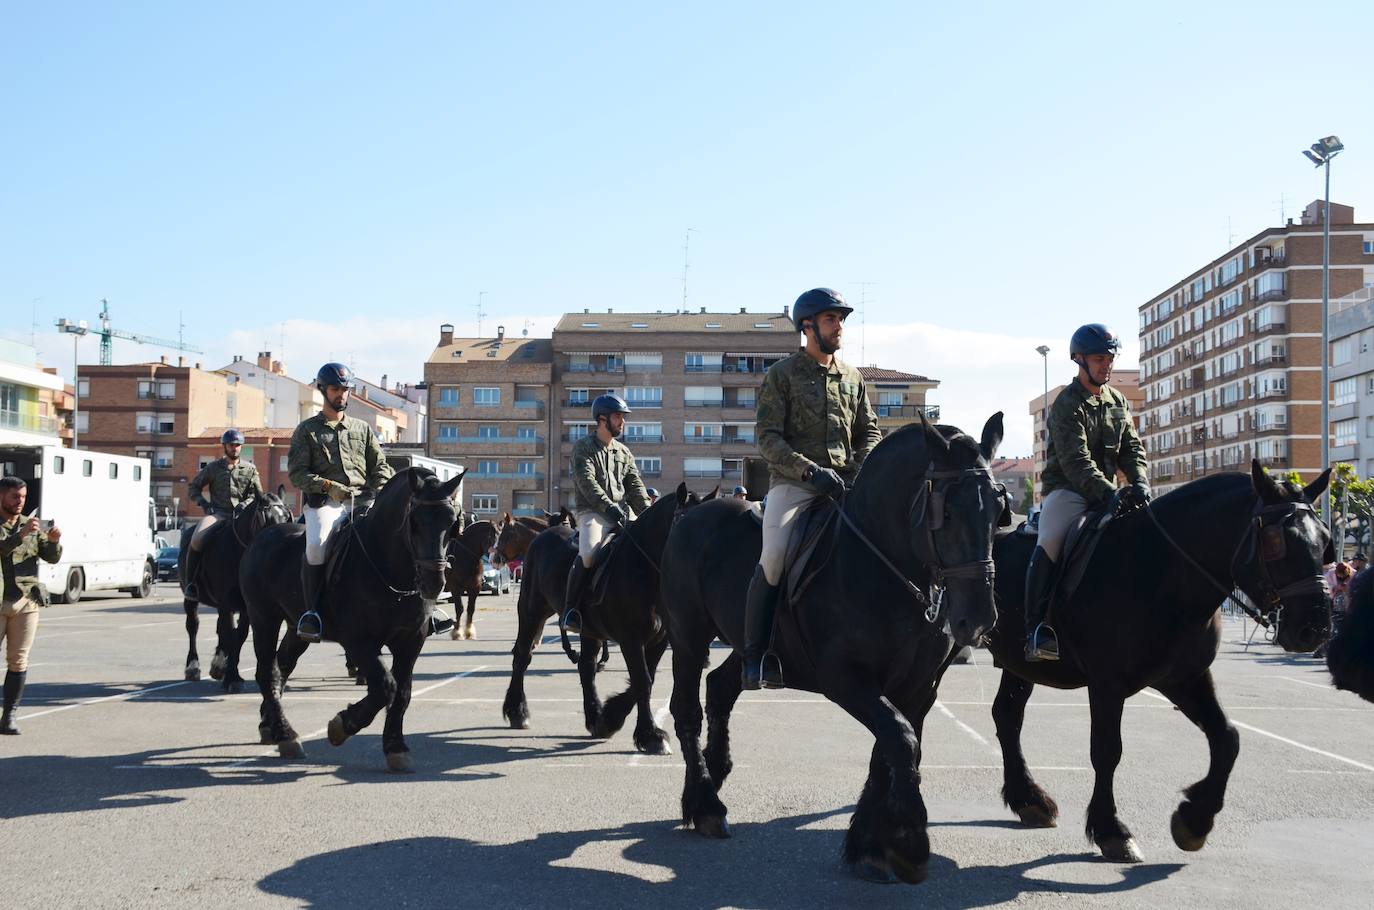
[897, 447]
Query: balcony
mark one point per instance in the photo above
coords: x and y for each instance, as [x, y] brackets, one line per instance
[711, 474]
[1272, 395]
[1274, 461]
[907, 411]
[703, 368]
[530, 481]
[1272, 294]
[644, 439]
[713, 440]
[28, 423]
[704, 403]
[734, 439]
[605, 367]
[1270, 262]
[513, 410]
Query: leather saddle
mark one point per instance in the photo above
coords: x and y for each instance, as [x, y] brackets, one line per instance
[1077, 553]
[596, 584]
[809, 546]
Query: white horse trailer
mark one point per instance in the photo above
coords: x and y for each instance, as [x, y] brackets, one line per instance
[444, 470]
[102, 504]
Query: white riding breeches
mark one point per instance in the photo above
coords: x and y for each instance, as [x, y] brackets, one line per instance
[204, 525]
[1057, 514]
[320, 522]
[592, 530]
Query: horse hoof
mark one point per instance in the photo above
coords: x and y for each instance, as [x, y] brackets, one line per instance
[1037, 817]
[264, 735]
[714, 826]
[456, 633]
[519, 723]
[337, 734]
[399, 763]
[1183, 835]
[360, 679]
[1121, 850]
[654, 745]
[291, 748]
[470, 633]
[874, 871]
[192, 673]
[234, 688]
[911, 873]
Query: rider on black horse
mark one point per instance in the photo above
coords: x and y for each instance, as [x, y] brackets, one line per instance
[337, 464]
[231, 481]
[815, 426]
[605, 481]
[1090, 436]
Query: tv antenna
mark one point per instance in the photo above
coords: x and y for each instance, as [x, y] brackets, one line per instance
[863, 317]
[480, 313]
[686, 262]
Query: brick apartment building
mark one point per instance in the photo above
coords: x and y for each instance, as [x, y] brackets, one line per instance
[155, 411]
[1231, 354]
[1127, 382]
[898, 398]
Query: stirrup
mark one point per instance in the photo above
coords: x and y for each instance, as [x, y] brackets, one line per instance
[439, 622]
[309, 628]
[1046, 649]
[770, 670]
[572, 620]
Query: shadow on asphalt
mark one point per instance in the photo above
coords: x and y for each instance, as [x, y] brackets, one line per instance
[778, 864]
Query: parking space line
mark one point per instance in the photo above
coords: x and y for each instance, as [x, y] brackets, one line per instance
[1303, 682]
[123, 696]
[978, 737]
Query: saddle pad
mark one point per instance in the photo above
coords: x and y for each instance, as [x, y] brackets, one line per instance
[1079, 547]
[336, 551]
[600, 560]
[813, 532]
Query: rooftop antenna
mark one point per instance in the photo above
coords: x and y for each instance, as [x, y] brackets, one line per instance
[281, 351]
[480, 314]
[686, 262]
[526, 330]
[1230, 234]
[1283, 209]
[863, 320]
[33, 325]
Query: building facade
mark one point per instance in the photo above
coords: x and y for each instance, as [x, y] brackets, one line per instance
[1231, 355]
[156, 411]
[287, 401]
[31, 399]
[1127, 382]
[898, 398]
[1352, 381]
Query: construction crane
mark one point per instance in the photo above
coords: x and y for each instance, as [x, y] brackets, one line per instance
[108, 334]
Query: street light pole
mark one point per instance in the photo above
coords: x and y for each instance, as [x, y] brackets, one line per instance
[1322, 151]
[1044, 352]
[76, 330]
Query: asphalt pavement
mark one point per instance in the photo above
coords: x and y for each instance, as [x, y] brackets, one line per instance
[131, 787]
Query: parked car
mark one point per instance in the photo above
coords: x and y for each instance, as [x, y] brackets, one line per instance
[167, 558]
[495, 579]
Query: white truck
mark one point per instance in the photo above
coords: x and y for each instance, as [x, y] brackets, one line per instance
[444, 470]
[102, 504]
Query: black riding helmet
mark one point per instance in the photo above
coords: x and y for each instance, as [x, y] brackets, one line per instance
[605, 405]
[231, 435]
[817, 300]
[1093, 338]
[334, 374]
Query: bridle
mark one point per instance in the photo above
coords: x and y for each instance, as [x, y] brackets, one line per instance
[1264, 544]
[277, 509]
[403, 529]
[927, 509]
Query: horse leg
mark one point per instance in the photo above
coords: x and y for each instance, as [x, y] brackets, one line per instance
[1197, 699]
[192, 630]
[595, 719]
[225, 666]
[381, 689]
[1035, 807]
[232, 677]
[273, 726]
[701, 805]
[469, 631]
[224, 630]
[1103, 827]
[722, 691]
[515, 709]
[403, 656]
[649, 739]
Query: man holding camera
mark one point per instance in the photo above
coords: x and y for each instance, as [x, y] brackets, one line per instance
[23, 541]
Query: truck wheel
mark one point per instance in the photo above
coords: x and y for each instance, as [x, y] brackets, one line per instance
[75, 585]
[145, 587]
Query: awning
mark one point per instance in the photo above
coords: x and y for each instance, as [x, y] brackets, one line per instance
[592, 353]
[758, 353]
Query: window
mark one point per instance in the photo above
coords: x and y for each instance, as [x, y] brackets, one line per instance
[701, 467]
[488, 467]
[166, 425]
[525, 433]
[143, 423]
[1369, 427]
[489, 431]
[695, 396]
[448, 396]
[640, 362]
[702, 432]
[203, 460]
[83, 388]
[1343, 391]
[59, 464]
[579, 396]
[577, 431]
[162, 458]
[746, 398]
[483, 502]
[527, 468]
[283, 463]
[86, 467]
[702, 363]
[486, 396]
[145, 388]
[1369, 247]
[1345, 432]
[114, 471]
[643, 396]
[448, 432]
[649, 467]
[166, 390]
[83, 422]
[138, 472]
[1341, 352]
[889, 398]
[644, 432]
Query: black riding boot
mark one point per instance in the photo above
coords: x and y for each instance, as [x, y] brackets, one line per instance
[758, 629]
[192, 567]
[572, 600]
[310, 628]
[1041, 642]
[14, 687]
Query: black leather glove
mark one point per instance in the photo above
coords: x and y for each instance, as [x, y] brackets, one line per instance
[1135, 496]
[616, 514]
[826, 481]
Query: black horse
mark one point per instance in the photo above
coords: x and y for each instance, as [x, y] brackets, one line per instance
[626, 615]
[868, 632]
[463, 577]
[1146, 615]
[379, 594]
[1350, 656]
[218, 585]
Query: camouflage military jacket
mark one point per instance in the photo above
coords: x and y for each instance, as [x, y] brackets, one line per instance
[19, 555]
[345, 452]
[606, 475]
[810, 414]
[1090, 437]
[228, 486]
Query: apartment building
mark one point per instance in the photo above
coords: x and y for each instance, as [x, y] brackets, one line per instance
[691, 379]
[1351, 335]
[156, 410]
[31, 398]
[1231, 354]
[1127, 382]
[287, 401]
[409, 404]
[898, 398]
[488, 401]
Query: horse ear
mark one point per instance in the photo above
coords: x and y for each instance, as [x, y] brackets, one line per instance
[1317, 487]
[934, 437]
[681, 494]
[992, 436]
[1262, 482]
[417, 480]
[451, 487]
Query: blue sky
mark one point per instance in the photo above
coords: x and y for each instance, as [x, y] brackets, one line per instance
[344, 177]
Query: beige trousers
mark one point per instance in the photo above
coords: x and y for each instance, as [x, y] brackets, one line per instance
[784, 503]
[1057, 514]
[18, 628]
[205, 524]
[592, 530]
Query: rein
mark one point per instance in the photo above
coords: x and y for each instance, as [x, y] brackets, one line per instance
[401, 529]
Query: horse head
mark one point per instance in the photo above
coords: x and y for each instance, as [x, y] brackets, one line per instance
[420, 507]
[952, 518]
[1279, 563]
[262, 511]
[512, 541]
